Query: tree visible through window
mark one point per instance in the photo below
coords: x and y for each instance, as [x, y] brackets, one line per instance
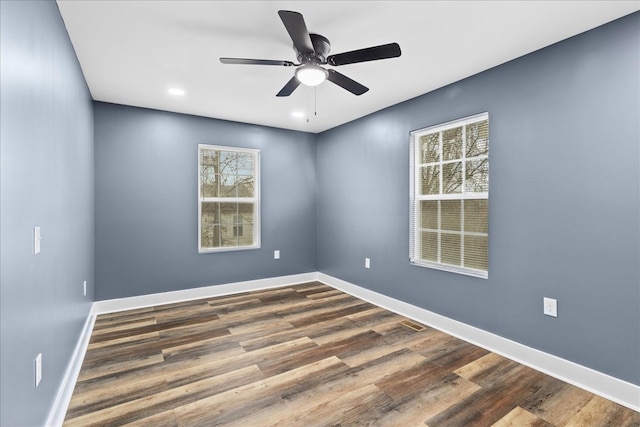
[228, 198]
[450, 196]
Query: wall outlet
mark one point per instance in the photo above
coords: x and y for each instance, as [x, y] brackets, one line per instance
[550, 307]
[36, 240]
[367, 263]
[38, 367]
[84, 288]
[276, 254]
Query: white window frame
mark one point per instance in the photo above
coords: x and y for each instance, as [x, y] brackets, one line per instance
[255, 200]
[415, 198]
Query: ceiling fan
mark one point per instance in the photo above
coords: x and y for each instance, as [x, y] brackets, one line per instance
[312, 50]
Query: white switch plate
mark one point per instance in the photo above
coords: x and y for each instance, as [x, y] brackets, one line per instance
[276, 254]
[36, 240]
[38, 369]
[84, 287]
[550, 307]
[367, 263]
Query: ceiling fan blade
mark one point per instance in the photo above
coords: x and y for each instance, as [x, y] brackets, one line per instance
[391, 50]
[244, 61]
[346, 83]
[297, 29]
[289, 87]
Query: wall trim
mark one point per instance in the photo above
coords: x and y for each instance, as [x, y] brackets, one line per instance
[65, 390]
[130, 303]
[603, 385]
[611, 388]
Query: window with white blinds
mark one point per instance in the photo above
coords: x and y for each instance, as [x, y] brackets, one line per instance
[228, 198]
[449, 222]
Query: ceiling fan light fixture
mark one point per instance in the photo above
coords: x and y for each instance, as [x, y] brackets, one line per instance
[311, 75]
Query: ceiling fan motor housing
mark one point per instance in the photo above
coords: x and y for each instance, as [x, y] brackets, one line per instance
[321, 46]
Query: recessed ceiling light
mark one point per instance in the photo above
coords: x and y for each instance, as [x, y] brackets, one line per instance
[298, 114]
[176, 91]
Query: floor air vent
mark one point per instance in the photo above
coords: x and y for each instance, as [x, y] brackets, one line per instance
[413, 325]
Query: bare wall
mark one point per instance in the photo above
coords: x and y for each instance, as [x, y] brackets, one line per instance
[147, 202]
[46, 143]
[564, 200]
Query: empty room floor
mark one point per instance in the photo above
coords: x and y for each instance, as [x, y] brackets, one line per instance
[309, 355]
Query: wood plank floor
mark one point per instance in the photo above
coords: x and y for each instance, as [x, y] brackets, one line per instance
[309, 355]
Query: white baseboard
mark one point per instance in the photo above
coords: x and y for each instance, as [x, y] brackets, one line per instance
[609, 387]
[130, 303]
[65, 391]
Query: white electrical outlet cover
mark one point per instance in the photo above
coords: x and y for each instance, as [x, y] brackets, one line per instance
[550, 307]
[276, 254]
[367, 263]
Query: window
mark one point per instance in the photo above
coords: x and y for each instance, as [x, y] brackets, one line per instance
[450, 196]
[228, 198]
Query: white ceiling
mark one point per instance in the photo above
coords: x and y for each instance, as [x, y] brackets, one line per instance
[132, 52]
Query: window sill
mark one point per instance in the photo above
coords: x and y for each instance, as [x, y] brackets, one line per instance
[451, 268]
[227, 249]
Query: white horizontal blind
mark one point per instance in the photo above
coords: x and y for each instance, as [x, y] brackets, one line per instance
[228, 198]
[449, 220]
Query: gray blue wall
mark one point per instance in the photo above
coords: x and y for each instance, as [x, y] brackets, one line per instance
[46, 151]
[147, 202]
[564, 200]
